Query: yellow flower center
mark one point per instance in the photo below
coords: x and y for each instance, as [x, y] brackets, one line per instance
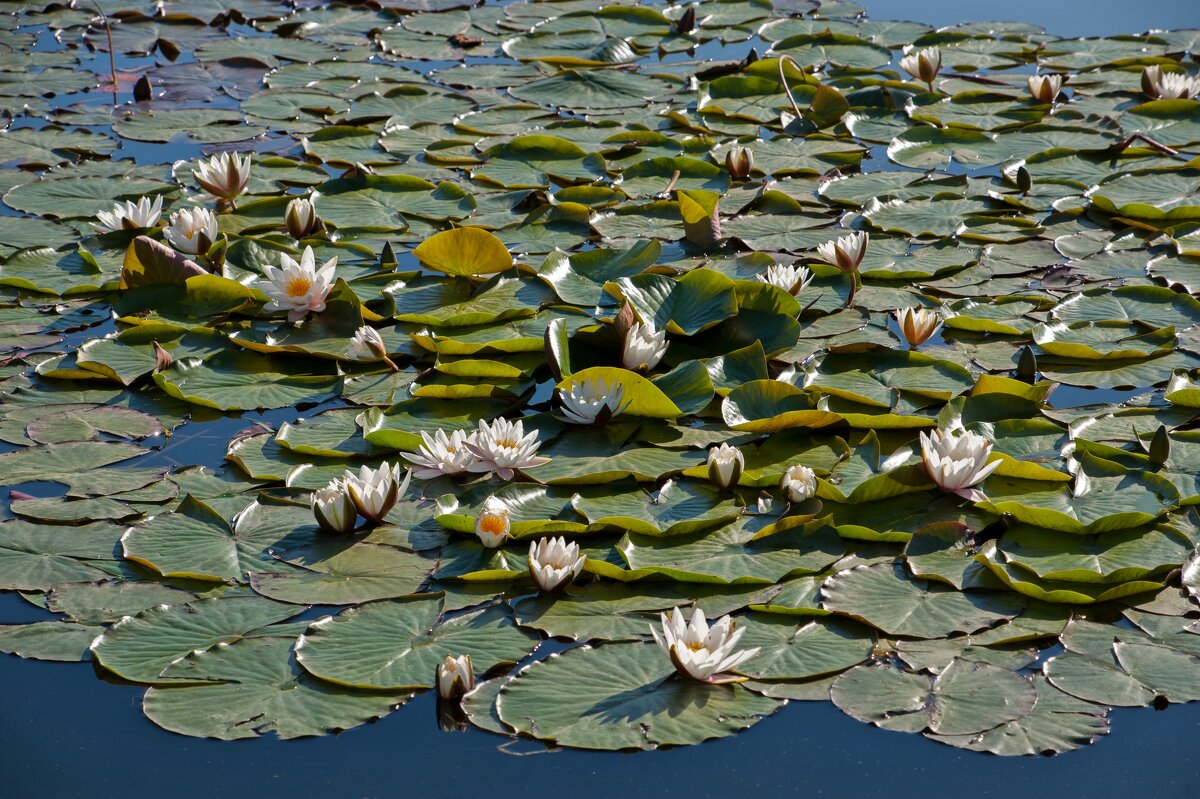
[695, 646]
[298, 286]
[492, 524]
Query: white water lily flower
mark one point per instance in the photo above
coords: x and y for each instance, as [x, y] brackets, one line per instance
[644, 347]
[698, 650]
[591, 401]
[301, 218]
[492, 525]
[1169, 85]
[846, 253]
[191, 230]
[799, 483]
[225, 175]
[455, 677]
[441, 454]
[375, 491]
[1045, 88]
[917, 325]
[333, 508]
[725, 466]
[554, 563]
[922, 64]
[502, 447]
[792, 279]
[298, 287]
[367, 345]
[958, 462]
[129, 216]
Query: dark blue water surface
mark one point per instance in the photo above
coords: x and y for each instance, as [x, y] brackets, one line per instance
[66, 731]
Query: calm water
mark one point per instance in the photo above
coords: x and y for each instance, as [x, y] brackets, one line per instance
[64, 733]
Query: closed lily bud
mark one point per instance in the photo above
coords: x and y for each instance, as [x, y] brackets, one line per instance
[162, 358]
[1045, 88]
[301, 218]
[739, 163]
[1160, 448]
[455, 677]
[917, 325]
[492, 525]
[799, 483]
[554, 563]
[725, 466]
[923, 65]
[1023, 179]
[333, 508]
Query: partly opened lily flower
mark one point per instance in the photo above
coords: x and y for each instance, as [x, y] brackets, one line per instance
[699, 651]
[923, 64]
[1169, 85]
[192, 230]
[917, 325]
[502, 447]
[791, 279]
[1045, 88]
[956, 463]
[846, 253]
[441, 454]
[301, 218]
[333, 508]
[644, 348]
[367, 345]
[129, 216]
[455, 677]
[492, 525]
[554, 563]
[225, 175]
[375, 491]
[799, 483]
[298, 287]
[592, 401]
[725, 466]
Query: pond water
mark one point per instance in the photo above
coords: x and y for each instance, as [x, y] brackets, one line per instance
[75, 730]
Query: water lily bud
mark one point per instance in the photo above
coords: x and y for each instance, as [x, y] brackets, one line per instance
[375, 491]
[333, 508]
[492, 525]
[1027, 365]
[191, 230]
[644, 347]
[799, 483]
[1023, 179]
[1160, 448]
[387, 256]
[917, 325]
[367, 345]
[1045, 88]
[739, 162]
[455, 677]
[725, 466]
[162, 358]
[923, 64]
[701, 652]
[301, 218]
[687, 21]
[554, 563]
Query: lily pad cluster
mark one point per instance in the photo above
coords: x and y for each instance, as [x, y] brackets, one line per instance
[738, 272]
